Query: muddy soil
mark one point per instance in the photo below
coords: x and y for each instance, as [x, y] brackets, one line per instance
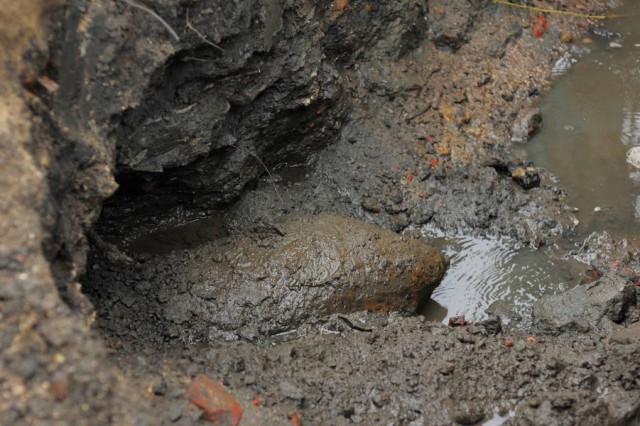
[261, 114]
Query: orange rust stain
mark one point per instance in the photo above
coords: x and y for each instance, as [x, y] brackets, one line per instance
[341, 5]
[374, 306]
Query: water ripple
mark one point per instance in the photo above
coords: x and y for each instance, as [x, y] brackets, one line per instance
[488, 272]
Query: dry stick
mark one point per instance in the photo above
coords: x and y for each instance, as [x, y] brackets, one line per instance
[418, 113]
[155, 15]
[206, 40]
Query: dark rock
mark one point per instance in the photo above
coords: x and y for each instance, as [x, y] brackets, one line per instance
[486, 79]
[159, 387]
[492, 326]
[562, 403]
[583, 307]
[507, 96]
[527, 177]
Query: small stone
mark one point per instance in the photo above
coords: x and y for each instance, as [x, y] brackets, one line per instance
[396, 197]
[400, 222]
[534, 402]
[565, 37]
[474, 329]
[442, 148]
[372, 205]
[562, 403]
[159, 388]
[484, 80]
[60, 386]
[471, 418]
[527, 177]
[457, 321]
[447, 368]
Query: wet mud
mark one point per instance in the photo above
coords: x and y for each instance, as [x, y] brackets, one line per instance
[265, 283]
[276, 163]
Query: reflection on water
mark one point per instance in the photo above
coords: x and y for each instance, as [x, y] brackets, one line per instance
[591, 119]
[489, 274]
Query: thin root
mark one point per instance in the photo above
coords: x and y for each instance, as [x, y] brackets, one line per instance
[155, 15]
[202, 36]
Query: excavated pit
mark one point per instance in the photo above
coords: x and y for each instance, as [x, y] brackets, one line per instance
[274, 163]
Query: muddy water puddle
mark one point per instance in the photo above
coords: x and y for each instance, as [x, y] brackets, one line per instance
[488, 276]
[591, 121]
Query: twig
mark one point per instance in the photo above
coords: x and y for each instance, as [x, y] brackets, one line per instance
[206, 40]
[354, 326]
[418, 113]
[155, 15]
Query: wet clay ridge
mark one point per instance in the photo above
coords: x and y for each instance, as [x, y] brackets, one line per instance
[303, 127]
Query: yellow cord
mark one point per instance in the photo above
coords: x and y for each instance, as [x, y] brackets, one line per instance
[558, 12]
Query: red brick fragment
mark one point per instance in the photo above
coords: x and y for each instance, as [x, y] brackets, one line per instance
[295, 419]
[457, 321]
[219, 406]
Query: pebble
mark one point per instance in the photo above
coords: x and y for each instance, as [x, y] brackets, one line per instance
[633, 156]
[615, 45]
[372, 205]
[566, 37]
[159, 387]
[534, 402]
[527, 177]
[447, 368]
